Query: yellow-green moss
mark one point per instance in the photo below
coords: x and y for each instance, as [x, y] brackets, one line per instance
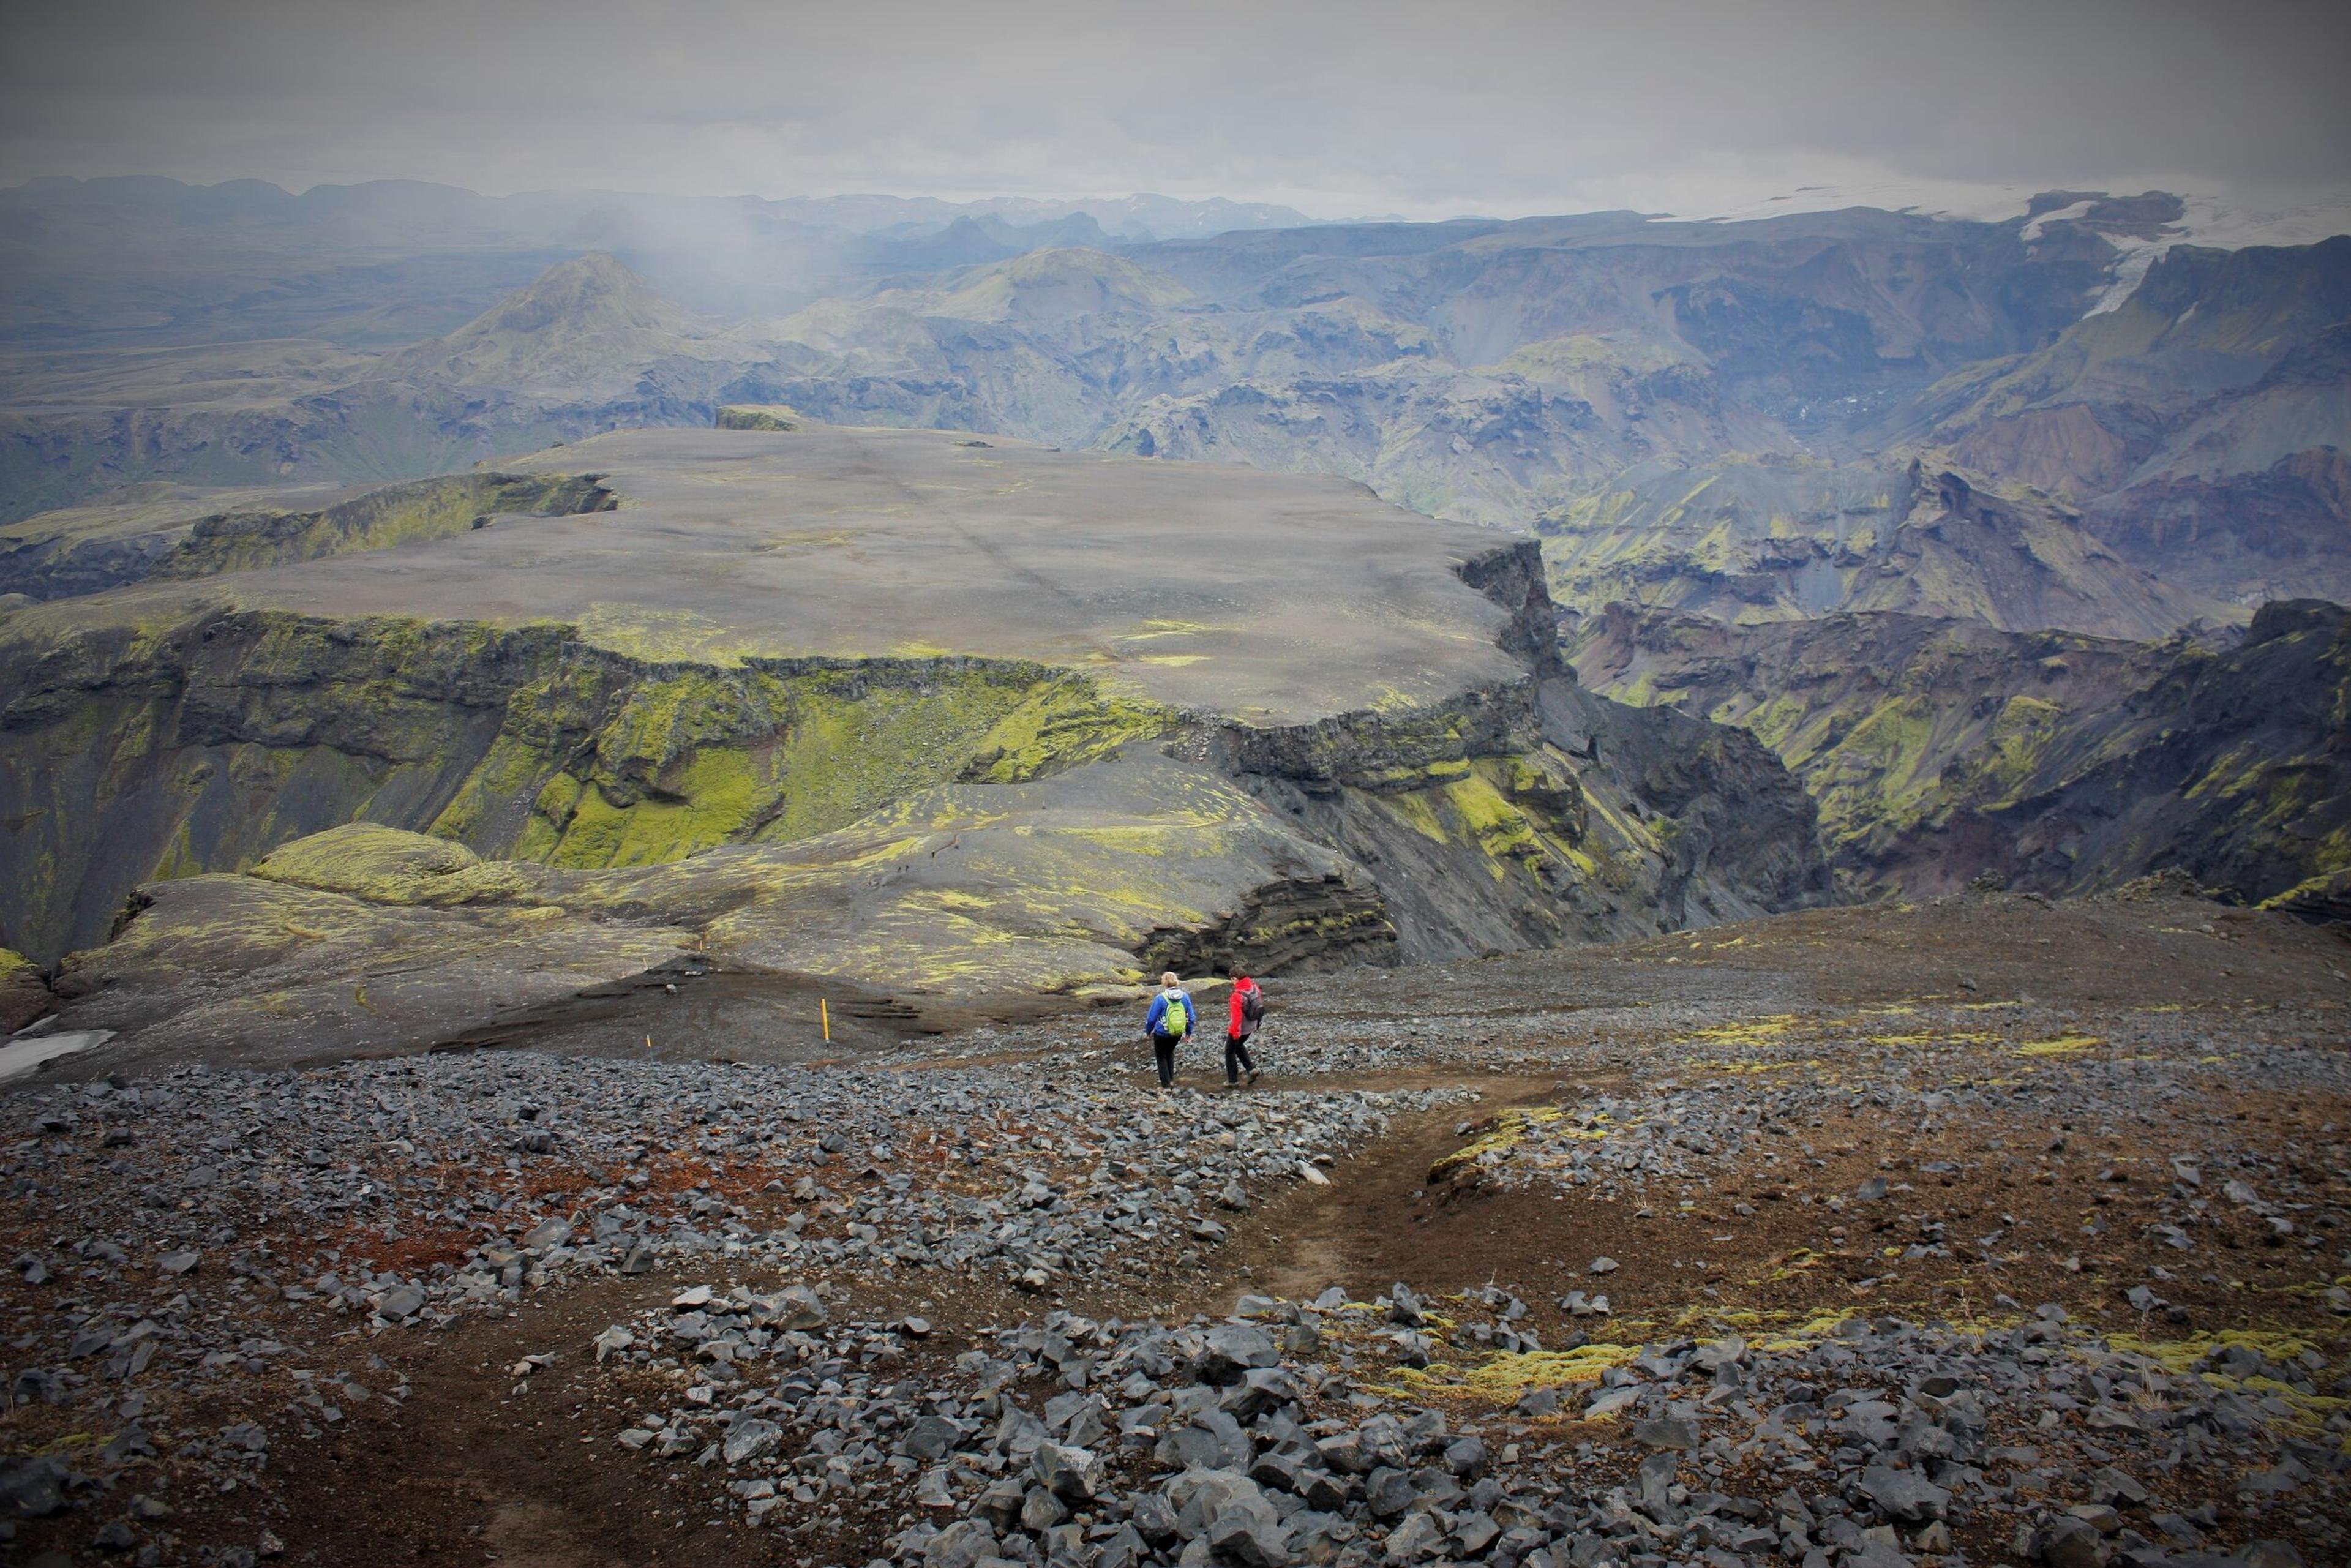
[387, 865]
[2018, 740]
[1499, 828]
[2063, 1045]
[698, 754]
[1511, 1129]
[395, 514]
[1511, 1373]
[1751, 1031]
[1063, 723]
[521, 743]
[759, 416]
[1418, 815]
[1415, 775]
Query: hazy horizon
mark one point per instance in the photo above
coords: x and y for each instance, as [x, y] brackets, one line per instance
[1503, 108]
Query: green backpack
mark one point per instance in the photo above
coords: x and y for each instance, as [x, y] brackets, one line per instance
[1176, 1021]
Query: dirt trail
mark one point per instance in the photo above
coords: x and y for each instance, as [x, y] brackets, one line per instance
[1378, 1222]
[2093, 1064]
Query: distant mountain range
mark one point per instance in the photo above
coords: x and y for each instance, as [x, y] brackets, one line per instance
[1752, 421]
[150, 261]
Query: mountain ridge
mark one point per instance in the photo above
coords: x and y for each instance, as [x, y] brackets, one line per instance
[1592, 374]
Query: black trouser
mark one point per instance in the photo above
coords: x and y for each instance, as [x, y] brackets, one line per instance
[1162, 1046]
[1237, 1058]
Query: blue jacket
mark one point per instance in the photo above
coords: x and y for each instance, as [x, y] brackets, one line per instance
[1159, 1013]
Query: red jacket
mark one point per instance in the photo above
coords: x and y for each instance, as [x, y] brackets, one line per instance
[1238, 1023]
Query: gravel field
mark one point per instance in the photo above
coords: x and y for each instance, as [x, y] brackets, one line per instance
[1984, 1231]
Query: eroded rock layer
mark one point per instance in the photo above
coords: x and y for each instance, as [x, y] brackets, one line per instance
[998, 722]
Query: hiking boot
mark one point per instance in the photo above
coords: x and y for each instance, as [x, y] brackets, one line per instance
[1252, 1076]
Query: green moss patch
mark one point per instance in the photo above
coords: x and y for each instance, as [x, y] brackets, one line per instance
[139, 753]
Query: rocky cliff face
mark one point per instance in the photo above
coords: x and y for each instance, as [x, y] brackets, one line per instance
[1543, 816]
[1746, 541]
[202, 744]
[1532, 813]
[2199, 424]
[1941, 752]
[25, 995]
[90, 549]
[1537, 814]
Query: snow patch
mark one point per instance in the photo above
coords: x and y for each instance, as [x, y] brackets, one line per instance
[22, 1057]
[2033, 230]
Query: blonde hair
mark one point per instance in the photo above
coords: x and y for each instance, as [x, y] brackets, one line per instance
[1169, 978]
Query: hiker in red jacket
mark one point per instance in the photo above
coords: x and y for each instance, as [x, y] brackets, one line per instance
[1246, 1008]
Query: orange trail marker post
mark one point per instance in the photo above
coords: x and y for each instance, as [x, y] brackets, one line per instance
[824, 1017]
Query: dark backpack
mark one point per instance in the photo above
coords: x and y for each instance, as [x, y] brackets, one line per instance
[1253, 1004]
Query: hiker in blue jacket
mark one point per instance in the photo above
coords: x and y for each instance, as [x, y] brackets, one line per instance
[1171, 1019]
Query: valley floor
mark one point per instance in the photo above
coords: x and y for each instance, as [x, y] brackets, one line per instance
[1989, 1230]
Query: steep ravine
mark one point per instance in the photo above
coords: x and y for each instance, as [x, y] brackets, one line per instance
[1536, 814]
[1941, 752]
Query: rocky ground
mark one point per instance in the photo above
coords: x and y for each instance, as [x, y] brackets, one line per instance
[1985, 1232]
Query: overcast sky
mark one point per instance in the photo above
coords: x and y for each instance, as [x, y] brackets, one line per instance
[1431, 107]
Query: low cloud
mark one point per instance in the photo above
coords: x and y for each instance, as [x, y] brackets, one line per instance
[1334, 108]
